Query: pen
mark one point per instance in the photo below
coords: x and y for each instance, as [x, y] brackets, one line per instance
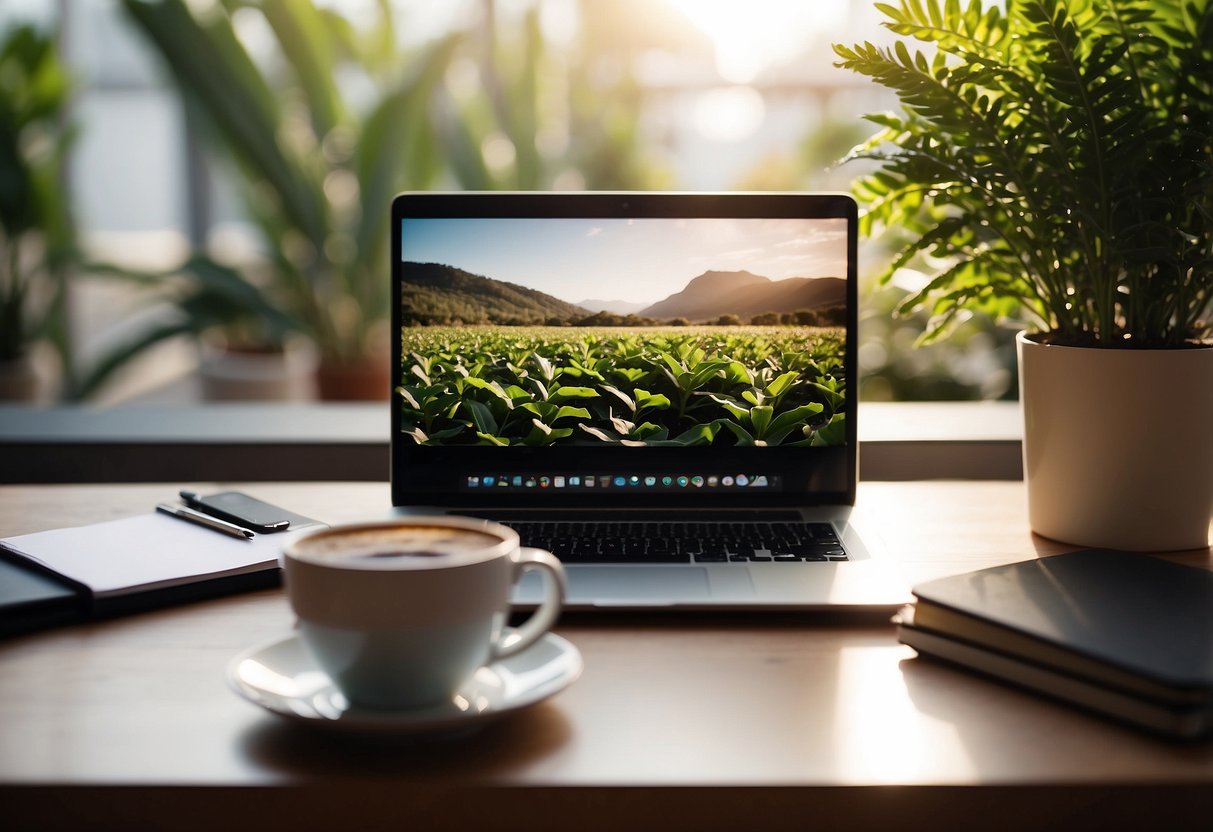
[191, 516]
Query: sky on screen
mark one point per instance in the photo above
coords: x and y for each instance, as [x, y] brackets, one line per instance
[640, 261]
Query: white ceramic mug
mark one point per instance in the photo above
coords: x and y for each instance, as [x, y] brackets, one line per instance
[400, 613]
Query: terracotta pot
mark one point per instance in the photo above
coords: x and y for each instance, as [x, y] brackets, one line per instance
[1118, 445]
[366, 379]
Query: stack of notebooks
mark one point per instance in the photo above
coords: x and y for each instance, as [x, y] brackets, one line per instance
[1126, 635]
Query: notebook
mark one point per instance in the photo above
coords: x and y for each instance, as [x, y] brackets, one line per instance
[127, 565]
[658, 388]
[1122, 633]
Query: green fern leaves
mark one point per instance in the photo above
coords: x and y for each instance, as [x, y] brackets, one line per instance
[1056, 156]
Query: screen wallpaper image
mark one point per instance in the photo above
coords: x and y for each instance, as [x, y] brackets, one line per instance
[633, 332]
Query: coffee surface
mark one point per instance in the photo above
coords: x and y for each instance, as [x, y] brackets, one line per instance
[389, 547]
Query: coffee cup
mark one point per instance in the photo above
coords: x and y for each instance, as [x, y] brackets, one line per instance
[400, 613]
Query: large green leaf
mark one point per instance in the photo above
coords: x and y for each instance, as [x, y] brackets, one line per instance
[562, 394]
[304, 34]
[482, 417]
[398, 133]
[215, 296]
[212, 66]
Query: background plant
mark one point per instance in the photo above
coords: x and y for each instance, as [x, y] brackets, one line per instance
[1056, 158]
[325, 129]
[320, 160]
[525, 114]
[37, 234]
[203, 296]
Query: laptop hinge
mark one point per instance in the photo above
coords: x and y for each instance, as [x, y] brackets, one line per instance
[663, 514]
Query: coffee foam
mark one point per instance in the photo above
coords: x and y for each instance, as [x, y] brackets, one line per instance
[394, 547]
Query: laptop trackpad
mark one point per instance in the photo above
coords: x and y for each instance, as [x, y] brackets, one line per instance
[618, 585]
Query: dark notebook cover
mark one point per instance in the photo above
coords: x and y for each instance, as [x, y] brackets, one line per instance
[129, 565]
[1146, 616]
[31, 599]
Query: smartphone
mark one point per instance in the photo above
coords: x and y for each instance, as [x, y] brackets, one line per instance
[241, 509]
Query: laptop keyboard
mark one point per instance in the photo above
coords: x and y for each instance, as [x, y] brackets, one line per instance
[687, 542]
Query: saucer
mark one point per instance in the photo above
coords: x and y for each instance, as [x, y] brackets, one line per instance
[283, 678]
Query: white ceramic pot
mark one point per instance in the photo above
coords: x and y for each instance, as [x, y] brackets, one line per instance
[1118, 445]
[243, 375]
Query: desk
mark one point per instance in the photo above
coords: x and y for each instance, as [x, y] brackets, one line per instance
[726, 722]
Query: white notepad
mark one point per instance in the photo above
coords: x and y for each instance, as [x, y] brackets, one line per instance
[148, 552]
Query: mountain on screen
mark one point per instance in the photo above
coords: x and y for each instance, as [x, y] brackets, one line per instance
[744, 294]
[438, 294]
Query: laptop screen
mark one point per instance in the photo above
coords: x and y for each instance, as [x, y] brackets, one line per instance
[625, 349]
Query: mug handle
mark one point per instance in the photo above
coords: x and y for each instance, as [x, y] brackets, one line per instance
[545, 615]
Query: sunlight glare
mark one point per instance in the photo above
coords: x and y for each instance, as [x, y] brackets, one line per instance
[879, 713]
[729, 114]
[749, 36]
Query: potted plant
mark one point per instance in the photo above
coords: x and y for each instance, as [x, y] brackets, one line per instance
[1057, 159]
[243, 335]
[319, 171]
[37, 237]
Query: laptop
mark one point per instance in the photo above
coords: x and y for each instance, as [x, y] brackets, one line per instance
[658, 388]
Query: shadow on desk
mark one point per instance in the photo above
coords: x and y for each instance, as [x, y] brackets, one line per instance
[502, 746]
